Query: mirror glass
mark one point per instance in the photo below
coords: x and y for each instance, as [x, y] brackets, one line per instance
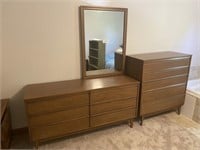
[103, 41]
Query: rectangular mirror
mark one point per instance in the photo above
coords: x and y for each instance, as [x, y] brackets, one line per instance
[103, 40]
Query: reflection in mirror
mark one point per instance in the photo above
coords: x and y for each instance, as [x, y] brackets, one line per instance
[103, 40]
[103, 37]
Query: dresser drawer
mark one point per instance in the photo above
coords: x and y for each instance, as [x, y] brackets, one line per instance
[153, 85]
[162, 104]
[43, 132]
[52, 104]
[165, 63]
[157, 95]
[60, 116]
[111, 94]
[113, 117]
[165, 73]
[113, 106]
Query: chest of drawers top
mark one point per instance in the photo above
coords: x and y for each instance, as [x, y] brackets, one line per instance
[35, 91]
[148, 57]
[160, 65]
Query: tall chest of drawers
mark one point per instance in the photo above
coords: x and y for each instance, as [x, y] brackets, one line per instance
[69, 107]
[163, 77]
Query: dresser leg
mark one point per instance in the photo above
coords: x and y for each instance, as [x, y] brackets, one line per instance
[36, 145]
[130, 123]
[141, 120]
[179, 110]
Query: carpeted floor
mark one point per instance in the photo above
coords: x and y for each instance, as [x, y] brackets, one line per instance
[164, 132]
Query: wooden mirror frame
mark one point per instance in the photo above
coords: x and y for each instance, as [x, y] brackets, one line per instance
[82, 39]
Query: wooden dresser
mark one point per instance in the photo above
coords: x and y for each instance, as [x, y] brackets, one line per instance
[69, 107]
[163, 77]
[5, 125]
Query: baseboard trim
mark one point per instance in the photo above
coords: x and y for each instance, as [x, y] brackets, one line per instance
[20, 130]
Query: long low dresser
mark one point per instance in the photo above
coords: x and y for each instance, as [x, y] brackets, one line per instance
[163, 77]
[64, 108]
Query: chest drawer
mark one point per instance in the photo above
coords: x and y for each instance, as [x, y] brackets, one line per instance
[160, 94]
[52, 104]
[57, 130]
[113, 106]
[160, 74]
[151, 67]
[113, 117]
[111, 94]
[153, 85]
[60, 116]
[162, 104]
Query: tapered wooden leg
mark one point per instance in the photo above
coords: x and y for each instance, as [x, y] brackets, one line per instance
[36, 145]
[141, 120]
[130, 123]
[179, 111]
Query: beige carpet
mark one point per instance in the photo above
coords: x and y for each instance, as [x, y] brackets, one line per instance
[164, 132]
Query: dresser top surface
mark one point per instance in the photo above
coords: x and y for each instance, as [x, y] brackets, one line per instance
[74, 86]
[159, 55]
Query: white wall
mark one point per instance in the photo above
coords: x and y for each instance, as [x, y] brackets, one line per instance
[1, 50]
[198, 30]
[41, 39]
[163, 25]
[41, 44]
